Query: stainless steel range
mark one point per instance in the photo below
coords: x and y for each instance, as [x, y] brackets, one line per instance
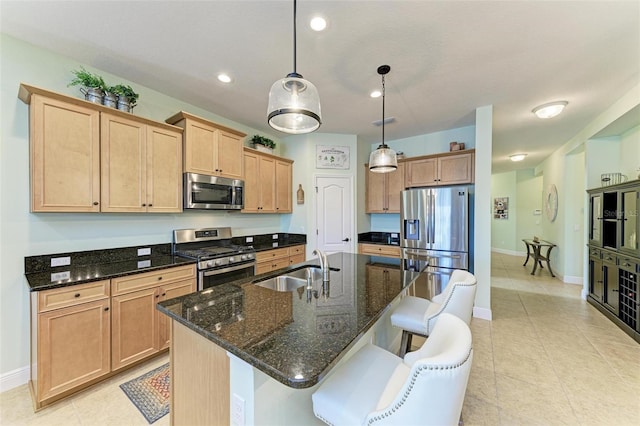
[219, 261]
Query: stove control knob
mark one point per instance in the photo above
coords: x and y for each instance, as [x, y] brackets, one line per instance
[218, 262]
[232, 259]
[250, 256]
[243, 257]
[210, 263]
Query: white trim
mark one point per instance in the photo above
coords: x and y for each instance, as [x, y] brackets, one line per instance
[584, 294]
[482, 313]
[15, 378]
[572, 280]
[509, 252]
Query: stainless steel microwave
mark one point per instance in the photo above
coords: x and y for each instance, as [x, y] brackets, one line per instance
[212, 192]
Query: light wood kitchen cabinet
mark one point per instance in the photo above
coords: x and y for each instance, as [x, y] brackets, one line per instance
[383, 190]
[379, 250]
[141, 167]
[138, 329]
[267, 183]
[70, 346]
[284, 190]
[209, 148]
[450, 168]
[64, 156]
[271, 260]
[87, 157]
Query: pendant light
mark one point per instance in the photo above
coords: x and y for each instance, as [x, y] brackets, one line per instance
[383, 159]
[294, 104]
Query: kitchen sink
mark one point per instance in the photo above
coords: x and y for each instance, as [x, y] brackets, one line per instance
[282, 283]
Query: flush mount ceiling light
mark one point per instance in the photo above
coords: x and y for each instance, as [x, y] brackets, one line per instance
[294, 104]
[549, 110]
[318, 23]
[383, 159]
[517, 157]
[224, 78]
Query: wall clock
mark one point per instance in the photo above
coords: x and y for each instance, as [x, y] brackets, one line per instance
[551, 202]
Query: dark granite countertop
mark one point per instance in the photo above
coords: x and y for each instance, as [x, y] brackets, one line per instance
[294, 337]
[96, 265]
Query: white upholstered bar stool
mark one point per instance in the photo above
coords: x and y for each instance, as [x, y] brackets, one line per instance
[377, 387]
[415, 315]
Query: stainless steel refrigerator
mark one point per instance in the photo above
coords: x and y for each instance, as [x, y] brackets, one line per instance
[434, 235]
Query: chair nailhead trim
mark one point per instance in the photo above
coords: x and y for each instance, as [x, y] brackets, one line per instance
[446, 302]
[418, 371]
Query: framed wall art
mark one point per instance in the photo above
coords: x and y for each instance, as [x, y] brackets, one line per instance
[501, 208]
[332, 157]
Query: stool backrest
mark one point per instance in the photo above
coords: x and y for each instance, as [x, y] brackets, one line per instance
[433, 392]
[457, 299]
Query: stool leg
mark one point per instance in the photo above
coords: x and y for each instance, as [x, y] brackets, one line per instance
[405, 343]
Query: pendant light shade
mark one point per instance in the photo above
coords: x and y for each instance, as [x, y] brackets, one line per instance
[294, 104]
[383, 159]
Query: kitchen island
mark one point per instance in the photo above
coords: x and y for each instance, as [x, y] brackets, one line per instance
[245, 354]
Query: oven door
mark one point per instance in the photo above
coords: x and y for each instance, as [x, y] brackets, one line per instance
[212, 277]
[211, 192]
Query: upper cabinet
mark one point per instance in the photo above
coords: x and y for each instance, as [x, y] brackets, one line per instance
[209, 148]
[383, 190]
[267, 183]
[86, 157]
[450, 168]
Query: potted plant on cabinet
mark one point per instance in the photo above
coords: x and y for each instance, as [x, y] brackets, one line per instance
[127, 98]
[94, 85]
[263, 144]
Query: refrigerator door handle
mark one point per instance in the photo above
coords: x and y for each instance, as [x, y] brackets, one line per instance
[432, 227]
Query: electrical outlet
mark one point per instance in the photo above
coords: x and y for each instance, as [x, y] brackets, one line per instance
[60, 261]
[144, 264]
[237, 411]
[144, 251]
[60, 276]
[249, 240]
[274, 237]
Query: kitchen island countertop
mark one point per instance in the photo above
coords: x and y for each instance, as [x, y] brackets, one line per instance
[295, 337]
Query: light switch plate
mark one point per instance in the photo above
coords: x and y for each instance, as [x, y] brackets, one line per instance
[274, 236]
[144, 251]
[60, 261]
[249, 240]
[144, 263]
[60, 276]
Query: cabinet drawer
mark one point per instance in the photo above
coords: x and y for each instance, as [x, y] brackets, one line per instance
[628, 263]
[263, 256]
[151, 279]
[609, 257]
[594, 252]
[272, 265]
[72, 295]
[295, 250]
[298, 258]
[380, 250]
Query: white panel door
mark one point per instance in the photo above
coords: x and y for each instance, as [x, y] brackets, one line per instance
[334, 214]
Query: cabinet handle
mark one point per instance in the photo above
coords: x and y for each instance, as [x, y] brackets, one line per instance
[143, 204]
[106, 309]
[615, 290]
[159, 278]
[76, 295]
[157, 296]
[164, 294]
[95, 203]
[150, 205]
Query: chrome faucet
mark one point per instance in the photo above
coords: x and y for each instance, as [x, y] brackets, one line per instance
[324, 264]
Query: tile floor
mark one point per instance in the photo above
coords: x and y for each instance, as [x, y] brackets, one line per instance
[547, 358]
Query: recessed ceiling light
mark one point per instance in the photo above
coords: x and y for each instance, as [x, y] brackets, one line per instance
[224, 78]
[318, 23]
[517, 157]
[376, 94]
[549, 110]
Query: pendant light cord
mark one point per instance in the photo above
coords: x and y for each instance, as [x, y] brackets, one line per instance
[383, 144]
[294, 36]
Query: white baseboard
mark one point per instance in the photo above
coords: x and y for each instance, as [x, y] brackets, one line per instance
[509, 252]
[572, 280]
[584, 294]
[15, 378]
[482, 313]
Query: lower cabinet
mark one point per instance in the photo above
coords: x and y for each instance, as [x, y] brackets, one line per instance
[71, 332]
[82, 334]
[271, 260]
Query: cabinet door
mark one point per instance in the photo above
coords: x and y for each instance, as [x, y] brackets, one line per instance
[596, 280]
[65, 157]
[200, 148]
[595, 219]
[251, 188]
[395, 185]
[284, 189]
[134, 327]
[422, 172]
[123, 165]
[267, 184]
[375, 191]
[230, 159]
[455, 169]
[611, 286]
[629, 220]
[164, 171]
[73, 347]
[167, 292]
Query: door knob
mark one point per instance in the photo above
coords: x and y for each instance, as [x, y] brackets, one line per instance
[346, 239]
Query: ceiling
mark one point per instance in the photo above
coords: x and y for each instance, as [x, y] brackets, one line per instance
[447, 58]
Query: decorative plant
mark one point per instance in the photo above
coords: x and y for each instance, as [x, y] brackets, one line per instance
[87, 79]
[261, 140]
[125, 92]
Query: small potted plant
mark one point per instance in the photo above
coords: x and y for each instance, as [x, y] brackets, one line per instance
[263, 144]
[127, 98]
[93, 85]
